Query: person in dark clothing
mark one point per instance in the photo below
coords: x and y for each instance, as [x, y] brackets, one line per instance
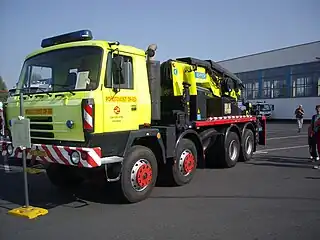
[1, 126]
[310, 143]
[315, 134]
[299, 112]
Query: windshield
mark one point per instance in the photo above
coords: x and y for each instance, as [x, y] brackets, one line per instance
[265, 107]
[69, 69]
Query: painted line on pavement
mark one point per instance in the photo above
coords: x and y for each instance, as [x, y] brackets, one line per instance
[6, 164]
[264, 151]
[15, 169]
[286, 137]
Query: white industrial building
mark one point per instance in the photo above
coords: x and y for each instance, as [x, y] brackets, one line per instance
[284, 77]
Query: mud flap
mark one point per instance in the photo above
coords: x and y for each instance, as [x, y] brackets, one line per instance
[262, 131]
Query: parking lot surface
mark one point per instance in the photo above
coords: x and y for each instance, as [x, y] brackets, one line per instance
[274, 196]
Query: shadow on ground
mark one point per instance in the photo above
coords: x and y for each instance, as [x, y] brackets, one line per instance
[313, 178]
[43, 194]
[291, 198]
[282, 161]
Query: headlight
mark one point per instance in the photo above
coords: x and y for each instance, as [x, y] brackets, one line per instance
[10, 149]
[75, 157]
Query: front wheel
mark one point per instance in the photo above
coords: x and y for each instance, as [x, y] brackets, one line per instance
[139, 174]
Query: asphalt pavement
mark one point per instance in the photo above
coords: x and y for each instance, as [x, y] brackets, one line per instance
[274, 196]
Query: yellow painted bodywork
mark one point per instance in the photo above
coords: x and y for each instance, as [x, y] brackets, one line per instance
[113, 111]
[183, 72]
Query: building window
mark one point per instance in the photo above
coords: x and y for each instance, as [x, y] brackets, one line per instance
[251, 90]
[266, 89]
[279, 89]
[255, 90]
[274, 88]
[301, 86]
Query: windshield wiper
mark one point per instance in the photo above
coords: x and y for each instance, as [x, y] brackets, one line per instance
[37, 88]
[64, 87]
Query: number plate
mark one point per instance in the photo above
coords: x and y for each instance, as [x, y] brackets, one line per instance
[38, 153]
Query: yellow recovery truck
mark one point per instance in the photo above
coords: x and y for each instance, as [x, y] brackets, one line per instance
[102, 108]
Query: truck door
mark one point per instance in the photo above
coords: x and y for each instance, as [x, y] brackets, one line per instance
[120, 97]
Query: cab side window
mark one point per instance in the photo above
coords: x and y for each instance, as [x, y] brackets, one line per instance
[125, 81]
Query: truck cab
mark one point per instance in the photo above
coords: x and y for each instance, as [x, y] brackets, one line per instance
[75, 93]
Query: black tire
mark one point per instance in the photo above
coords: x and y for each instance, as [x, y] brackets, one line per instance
[63, 176]
[186, 153]
[138, 158]
[232, 143]
[247, 146]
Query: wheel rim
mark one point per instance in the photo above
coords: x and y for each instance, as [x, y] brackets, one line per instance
[233, 150]
[248, 145]
[141, 175]
[186, 162]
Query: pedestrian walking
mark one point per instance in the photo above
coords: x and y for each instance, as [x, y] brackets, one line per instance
[315, 133]
[299, 112]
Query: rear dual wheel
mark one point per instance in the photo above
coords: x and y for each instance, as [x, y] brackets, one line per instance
[247, 146]
[231, 151]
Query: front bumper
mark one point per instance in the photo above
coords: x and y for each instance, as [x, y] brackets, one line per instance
[89, 157]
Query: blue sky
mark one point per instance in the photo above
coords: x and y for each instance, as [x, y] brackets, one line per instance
[204, 29]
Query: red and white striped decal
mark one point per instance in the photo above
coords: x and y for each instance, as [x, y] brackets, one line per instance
[212, 121]
[88, 116]
[60, 154]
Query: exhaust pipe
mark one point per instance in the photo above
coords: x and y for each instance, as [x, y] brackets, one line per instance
[154, 78]
[151, 52]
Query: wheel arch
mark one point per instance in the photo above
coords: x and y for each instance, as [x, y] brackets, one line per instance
[149, 138]
[234, 128]
[249, 126]
[153, 144]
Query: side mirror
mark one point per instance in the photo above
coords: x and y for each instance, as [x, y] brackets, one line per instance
[117, 63]
[117, 72]
[272, 107]
[11, 91]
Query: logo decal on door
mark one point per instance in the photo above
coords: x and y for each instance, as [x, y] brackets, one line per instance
[116, 110]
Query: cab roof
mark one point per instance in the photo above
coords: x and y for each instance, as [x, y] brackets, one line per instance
[99, 43]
